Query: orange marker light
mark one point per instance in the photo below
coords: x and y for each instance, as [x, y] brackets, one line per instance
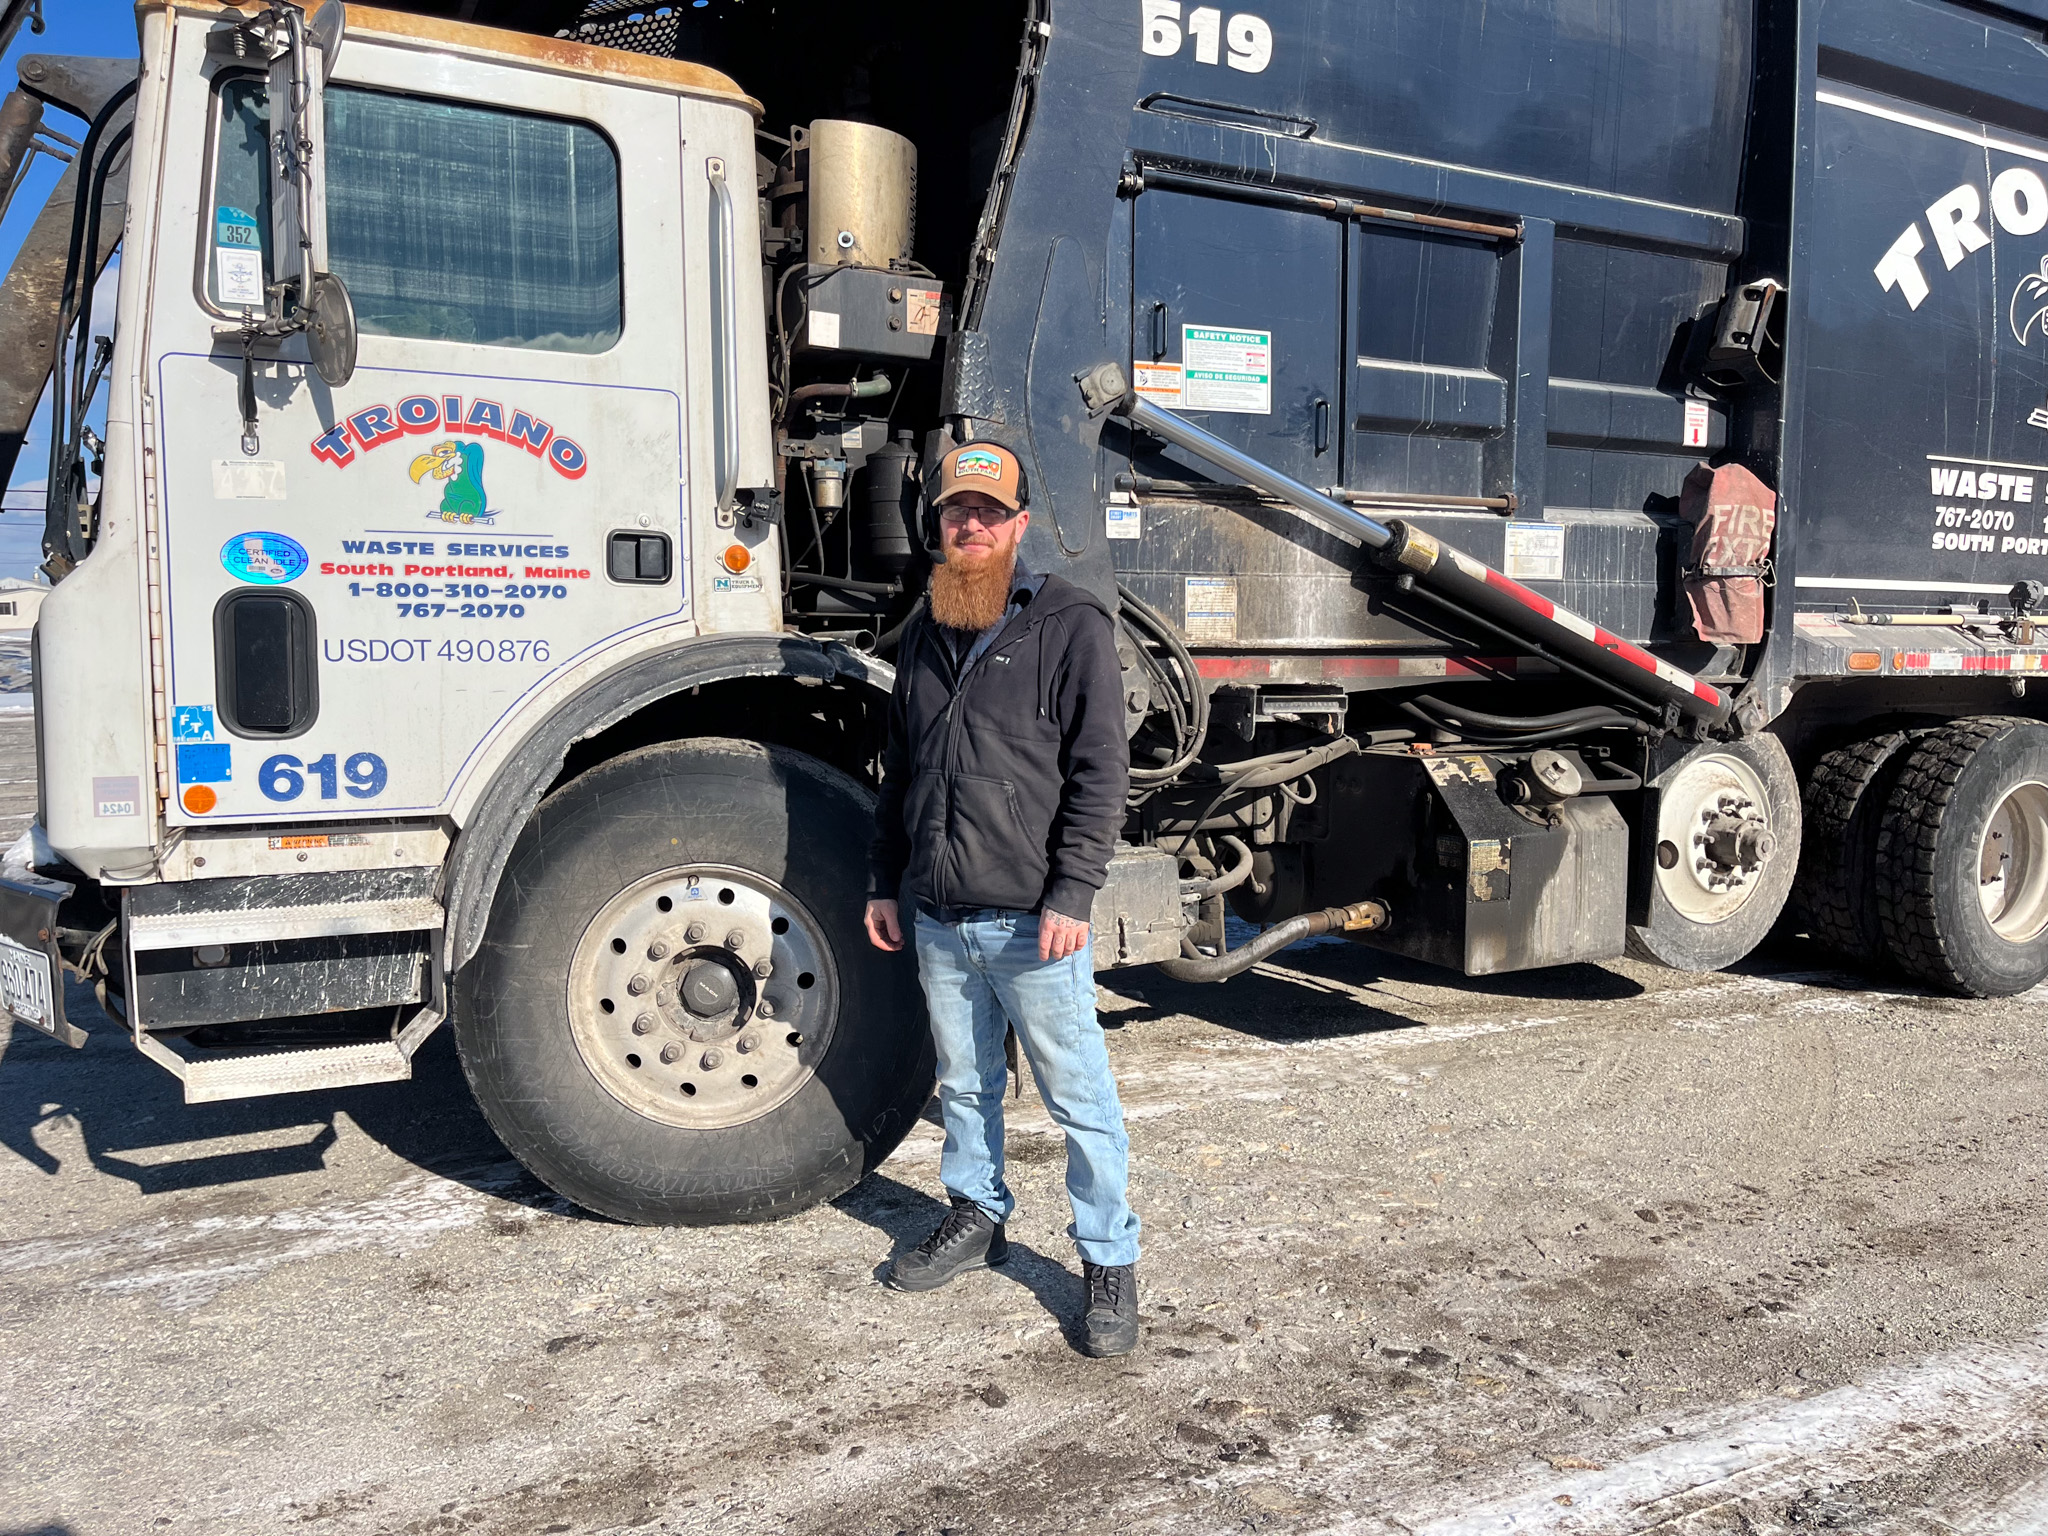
[200, 799]
[738, 557]
[1865, 661]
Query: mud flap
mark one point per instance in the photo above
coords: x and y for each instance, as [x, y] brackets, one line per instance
[31, 970]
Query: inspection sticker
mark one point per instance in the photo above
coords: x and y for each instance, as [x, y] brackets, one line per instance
[1535, 551]
[1122, 518]
[117, 797]
[237, 257]
[1226, 370]
[823, 329]
[1211, 608]
[1158, 382]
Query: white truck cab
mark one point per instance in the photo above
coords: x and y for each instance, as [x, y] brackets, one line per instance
[353, 611]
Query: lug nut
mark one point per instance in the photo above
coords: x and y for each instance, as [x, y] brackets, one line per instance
[637, 985]
[669, 1053]
[766, 1008]
[712, 1060]
[764, 968]
[657, 950]
[749, 1043]
[694, 933]
[644, 1025]
[735, 939]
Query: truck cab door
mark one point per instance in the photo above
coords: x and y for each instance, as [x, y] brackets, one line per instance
[496, 504]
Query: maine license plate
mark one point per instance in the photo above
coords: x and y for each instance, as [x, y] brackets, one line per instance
[25, 986]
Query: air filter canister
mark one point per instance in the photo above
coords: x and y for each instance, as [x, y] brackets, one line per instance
[863, 195]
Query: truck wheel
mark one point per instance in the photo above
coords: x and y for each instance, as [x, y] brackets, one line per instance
[1725, 844]
[676, 1016]
[1962, 858]
[1836, 890]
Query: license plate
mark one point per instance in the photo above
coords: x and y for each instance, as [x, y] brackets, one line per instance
[25, 986]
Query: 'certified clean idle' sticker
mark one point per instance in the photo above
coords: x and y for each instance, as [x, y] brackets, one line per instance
[267, 559]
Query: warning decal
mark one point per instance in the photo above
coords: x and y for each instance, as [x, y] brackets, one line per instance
[1226, 370]
[1157, 382]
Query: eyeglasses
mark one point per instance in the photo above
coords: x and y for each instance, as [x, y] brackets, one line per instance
[988, 517]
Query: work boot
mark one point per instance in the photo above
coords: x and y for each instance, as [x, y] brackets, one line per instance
[1111, 1326]
[969, 1238]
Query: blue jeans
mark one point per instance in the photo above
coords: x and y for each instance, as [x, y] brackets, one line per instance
[979, 975]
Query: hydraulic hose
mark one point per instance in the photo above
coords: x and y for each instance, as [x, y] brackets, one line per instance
[1141, 616]
[1193, 965]
[863, 389]
[1591, 715]
[1239, 871]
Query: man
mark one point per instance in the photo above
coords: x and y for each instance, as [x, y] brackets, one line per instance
[1003, 788]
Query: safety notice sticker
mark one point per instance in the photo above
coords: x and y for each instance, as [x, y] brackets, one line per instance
[1226, 370]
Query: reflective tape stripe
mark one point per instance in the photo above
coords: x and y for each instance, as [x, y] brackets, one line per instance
[1565, 619]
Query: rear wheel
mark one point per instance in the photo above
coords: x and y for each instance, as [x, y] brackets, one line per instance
[676, 1016]
[1837, 886]
[1962, 858]
[1723, 843]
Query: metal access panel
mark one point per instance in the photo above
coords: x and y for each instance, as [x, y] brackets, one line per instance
[1524, 352]
[1916, 465]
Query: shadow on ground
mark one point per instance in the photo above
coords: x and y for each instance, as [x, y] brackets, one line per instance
[1312, 991]
[136, 1127]
[907, 1216]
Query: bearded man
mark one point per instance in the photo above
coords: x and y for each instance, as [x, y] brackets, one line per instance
[1003, 786]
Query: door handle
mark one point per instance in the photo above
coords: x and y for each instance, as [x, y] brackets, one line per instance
[726, 391]
[1158, 329]
[1322, 426]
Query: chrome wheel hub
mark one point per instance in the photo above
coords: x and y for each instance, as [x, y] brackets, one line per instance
[702, 997]
[1713, 836]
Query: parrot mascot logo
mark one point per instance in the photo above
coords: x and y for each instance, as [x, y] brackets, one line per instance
[461, 467]
[2029, 312]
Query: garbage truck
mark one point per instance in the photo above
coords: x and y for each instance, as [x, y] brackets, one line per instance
[1571, 482]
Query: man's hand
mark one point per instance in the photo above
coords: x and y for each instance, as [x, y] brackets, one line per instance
[1058, 936]
[883, 928]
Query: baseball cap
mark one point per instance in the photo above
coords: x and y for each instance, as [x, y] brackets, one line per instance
[989, 468]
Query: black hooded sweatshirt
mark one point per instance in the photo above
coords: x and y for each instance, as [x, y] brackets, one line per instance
[1003, 785]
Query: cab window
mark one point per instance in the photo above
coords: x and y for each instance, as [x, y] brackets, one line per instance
[448, 222]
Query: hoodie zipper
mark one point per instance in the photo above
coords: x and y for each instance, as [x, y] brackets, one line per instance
[950, 757]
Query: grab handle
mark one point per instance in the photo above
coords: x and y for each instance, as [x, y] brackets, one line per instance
[726, 397]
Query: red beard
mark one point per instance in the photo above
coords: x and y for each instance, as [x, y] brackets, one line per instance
[972, 594]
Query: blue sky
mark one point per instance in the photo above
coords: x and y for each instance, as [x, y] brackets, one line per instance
[105, 28]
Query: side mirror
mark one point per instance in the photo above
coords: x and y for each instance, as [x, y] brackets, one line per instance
[303, 294]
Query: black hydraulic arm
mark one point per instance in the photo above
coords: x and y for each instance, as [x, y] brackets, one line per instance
[1448, 575]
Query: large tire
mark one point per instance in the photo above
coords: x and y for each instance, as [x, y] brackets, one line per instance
[1962, 858]
[1690, 924]
[724, 1082]
[1836, 891]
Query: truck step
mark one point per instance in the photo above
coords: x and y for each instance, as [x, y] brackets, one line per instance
[332, 1066]
[314, 920]
[338, 1066]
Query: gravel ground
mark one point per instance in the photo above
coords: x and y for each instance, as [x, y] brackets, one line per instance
[1599, 1249]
